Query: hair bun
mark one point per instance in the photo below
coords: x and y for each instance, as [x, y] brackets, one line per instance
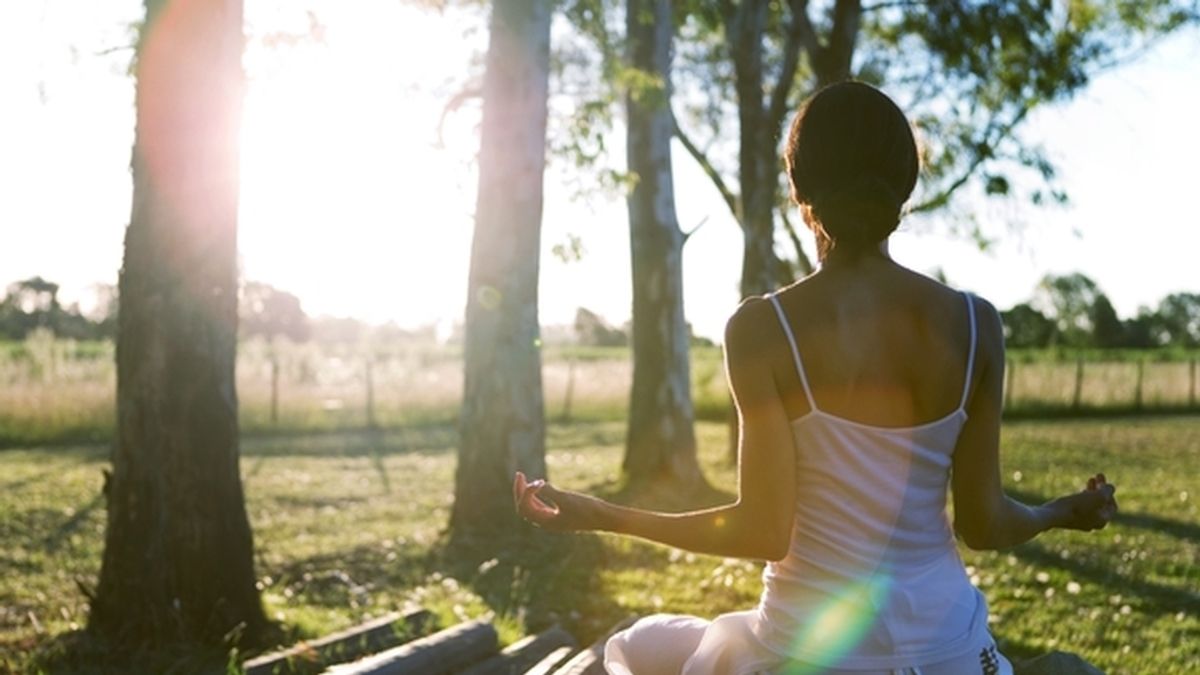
[861, 212]
[852, 162]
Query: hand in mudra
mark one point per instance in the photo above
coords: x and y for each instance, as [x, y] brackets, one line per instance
[1090, 509]
[553, 509]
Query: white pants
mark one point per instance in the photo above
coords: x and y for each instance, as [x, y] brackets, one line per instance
[675, 644]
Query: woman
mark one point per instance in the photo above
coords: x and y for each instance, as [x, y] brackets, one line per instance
[862, 391]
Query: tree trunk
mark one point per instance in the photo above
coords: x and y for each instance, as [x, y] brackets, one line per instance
[661, 440]
[502, 423]
[178, 556]
[757, 165]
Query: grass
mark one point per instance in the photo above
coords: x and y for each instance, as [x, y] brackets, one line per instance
[349, 526]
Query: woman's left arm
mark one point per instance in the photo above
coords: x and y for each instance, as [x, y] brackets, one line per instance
[759, 524]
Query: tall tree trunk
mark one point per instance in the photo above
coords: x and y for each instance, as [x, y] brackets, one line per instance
[178, 556]
[502, 423]
[756, 151]
[661, 441]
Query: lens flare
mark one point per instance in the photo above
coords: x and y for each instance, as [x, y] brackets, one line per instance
[840, 623]
[489, 297]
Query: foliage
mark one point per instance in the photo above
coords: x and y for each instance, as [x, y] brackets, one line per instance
[32, 304]
[1026, 327]
[268, 312]
[967, 73]
[348, 528]
[592, 330]
[1071, 311]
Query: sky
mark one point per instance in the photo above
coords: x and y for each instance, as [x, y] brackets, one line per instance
[351, 201]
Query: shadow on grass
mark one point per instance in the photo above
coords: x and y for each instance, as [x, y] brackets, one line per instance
[537, 579]
[79, 454]
[1160, 598]
[426, 440]
[81, 652]
[72, 523]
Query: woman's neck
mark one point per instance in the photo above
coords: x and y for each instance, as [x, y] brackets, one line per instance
[838, 259]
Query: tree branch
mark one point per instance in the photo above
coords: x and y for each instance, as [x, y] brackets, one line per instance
[888, 4]
[731, 200]
[796, 36]
[688, 235]
[846, 15]
[1001, 131]
[802, 259]
[468, 92]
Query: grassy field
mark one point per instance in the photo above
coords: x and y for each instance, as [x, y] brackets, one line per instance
[55, 391]
[349, 526]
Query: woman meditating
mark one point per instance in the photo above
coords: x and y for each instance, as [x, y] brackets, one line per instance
[862, 392]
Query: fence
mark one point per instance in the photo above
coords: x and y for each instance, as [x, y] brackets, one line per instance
[58, 389]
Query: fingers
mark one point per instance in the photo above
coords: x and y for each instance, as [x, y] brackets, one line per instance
[518, 487]
[531, 507]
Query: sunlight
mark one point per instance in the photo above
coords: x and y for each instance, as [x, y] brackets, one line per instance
[340, 171]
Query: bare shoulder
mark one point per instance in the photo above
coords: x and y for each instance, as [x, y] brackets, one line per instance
[991, 329]
[744, 332]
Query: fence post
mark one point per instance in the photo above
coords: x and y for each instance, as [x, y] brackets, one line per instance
[566, 411]
[1008, 386]
[1137, 393]
[1192, 385]
[1078, 397]
[370, 392]
[274, 389]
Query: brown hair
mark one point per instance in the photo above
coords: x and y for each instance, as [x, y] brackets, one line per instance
[852, 163]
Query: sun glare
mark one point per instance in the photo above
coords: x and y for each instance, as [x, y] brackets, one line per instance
[346, 200]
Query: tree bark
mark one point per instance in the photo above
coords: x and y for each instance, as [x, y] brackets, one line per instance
[661, 441]
[503, 415]
[756, 150]
[178, 556]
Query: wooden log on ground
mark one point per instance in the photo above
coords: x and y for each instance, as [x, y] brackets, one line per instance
[442, 653]
[523, 654]
[591, 660]
[550, 662]
[368, 638]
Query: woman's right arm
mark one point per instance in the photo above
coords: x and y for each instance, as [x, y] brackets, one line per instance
[984, 516]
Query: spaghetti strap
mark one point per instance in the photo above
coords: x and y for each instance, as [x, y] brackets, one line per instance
[970, 350]
[787, 329]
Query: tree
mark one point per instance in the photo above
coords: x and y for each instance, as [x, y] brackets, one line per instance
[968, 73]
[1144, 331]
[1108, 332]
[1068, 300]
[1179, 314]
[178, 553]
[502, 419]
[269, 312]
[592, 330]
[661, 440]
[1025, 327]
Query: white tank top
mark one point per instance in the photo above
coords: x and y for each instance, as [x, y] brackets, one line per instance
[872, 579]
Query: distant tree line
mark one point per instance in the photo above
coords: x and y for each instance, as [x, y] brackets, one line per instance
[264, 311]
[1071, 311]
[32, 304]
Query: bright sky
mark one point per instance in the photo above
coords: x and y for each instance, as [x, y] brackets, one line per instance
[348, 201]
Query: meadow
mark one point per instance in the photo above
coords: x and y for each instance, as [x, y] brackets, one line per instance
[56, 391]
[349, 525]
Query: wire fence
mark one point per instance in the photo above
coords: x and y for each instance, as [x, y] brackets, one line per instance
[64, 390]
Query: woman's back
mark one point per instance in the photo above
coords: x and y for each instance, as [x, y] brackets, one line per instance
[881, 345]
[872, 578]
